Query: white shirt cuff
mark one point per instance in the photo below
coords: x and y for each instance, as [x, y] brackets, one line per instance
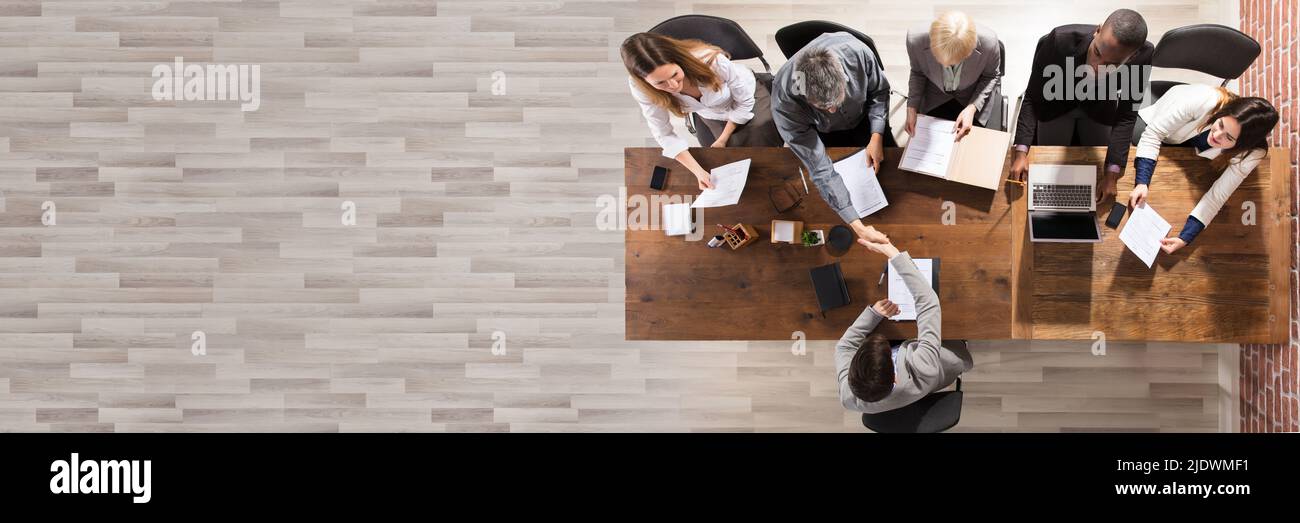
[741, 118]
[673, 145]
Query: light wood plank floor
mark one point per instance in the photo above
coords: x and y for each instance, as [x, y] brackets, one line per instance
[475, 214]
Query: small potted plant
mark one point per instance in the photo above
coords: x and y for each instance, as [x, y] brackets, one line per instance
[813, 238]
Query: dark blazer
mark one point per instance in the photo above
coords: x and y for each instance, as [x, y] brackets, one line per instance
[1072, 42]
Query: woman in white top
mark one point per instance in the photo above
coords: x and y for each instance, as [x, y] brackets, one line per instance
[1230, 130]
[680, 77]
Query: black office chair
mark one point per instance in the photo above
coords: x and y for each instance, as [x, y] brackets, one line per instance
[1185, 48]
[936, 412]
[727, 35]
[718, 31]
[794, 37]
[998, 118]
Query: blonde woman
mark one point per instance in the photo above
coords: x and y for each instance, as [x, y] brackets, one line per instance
[671, 77]
[1229, 130]
[954, 72]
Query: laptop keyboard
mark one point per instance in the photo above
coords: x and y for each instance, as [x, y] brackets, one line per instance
[1062, 196]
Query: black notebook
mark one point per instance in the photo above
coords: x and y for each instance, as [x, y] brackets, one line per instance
[828, 282]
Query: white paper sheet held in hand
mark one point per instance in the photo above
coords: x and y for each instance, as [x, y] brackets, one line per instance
[728, 182]
[930, 150]
[864, 188]
[899, 294]
[1143, 232]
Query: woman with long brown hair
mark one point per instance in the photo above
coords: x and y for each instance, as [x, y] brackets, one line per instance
[680, 77]
[1230, 130]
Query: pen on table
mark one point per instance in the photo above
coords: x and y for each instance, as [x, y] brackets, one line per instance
[804, 180]
[882, 280]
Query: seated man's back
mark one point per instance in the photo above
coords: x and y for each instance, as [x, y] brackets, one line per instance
[865, 363]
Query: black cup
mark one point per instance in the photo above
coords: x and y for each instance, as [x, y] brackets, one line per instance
[839, 240]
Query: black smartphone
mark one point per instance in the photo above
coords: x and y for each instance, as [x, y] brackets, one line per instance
[659, 179]
[1116, 214]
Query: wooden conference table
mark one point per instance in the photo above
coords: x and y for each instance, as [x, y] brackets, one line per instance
[1230, 285]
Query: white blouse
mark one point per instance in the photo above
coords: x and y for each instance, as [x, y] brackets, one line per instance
[733, 101]
[1175, 118]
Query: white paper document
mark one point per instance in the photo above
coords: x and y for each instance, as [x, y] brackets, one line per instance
[728, 182]
[864, 187]
[676, 219]
[1143, 232]
[783, 232]
[899, 294]
[930, 150]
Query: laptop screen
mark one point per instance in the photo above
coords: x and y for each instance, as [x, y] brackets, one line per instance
[1078, 226]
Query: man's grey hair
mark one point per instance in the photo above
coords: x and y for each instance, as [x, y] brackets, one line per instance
[1129, 28]
[823, 76]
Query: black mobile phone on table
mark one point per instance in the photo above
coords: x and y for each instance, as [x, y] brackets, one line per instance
[659, 179]
[1116, 214]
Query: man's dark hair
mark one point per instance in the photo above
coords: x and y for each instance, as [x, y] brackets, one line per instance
[871, 373]
[1129, 28]
[823, 76]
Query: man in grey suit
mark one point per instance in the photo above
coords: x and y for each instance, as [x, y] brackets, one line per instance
[875, 377]
[955, 72]
[833, 93]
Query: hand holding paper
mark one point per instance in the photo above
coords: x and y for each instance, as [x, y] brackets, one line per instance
[965, 122]
[930, 149]
[1170, 245]
[728, 182]
[864, 188]
[898, 293]
[886, 308]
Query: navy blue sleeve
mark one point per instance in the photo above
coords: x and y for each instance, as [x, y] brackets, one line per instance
[1192, 228]
[1145, 167]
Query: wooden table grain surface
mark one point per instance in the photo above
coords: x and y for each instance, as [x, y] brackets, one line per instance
[678, 289]
[994, 284]
[1227, 286]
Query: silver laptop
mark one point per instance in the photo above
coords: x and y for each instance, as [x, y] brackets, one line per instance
[1062, 203]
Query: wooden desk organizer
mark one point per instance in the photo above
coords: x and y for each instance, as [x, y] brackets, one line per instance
[735, 241]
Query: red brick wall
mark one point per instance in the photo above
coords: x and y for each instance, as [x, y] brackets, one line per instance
[1268, 372]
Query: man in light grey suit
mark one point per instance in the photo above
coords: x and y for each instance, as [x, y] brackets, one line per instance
[875, 377]
[955, 72]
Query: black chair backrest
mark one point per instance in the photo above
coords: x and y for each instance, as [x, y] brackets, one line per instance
[794, 37]
[1189, 48]
[1002, 58]
[936, 412]
[715, 30]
